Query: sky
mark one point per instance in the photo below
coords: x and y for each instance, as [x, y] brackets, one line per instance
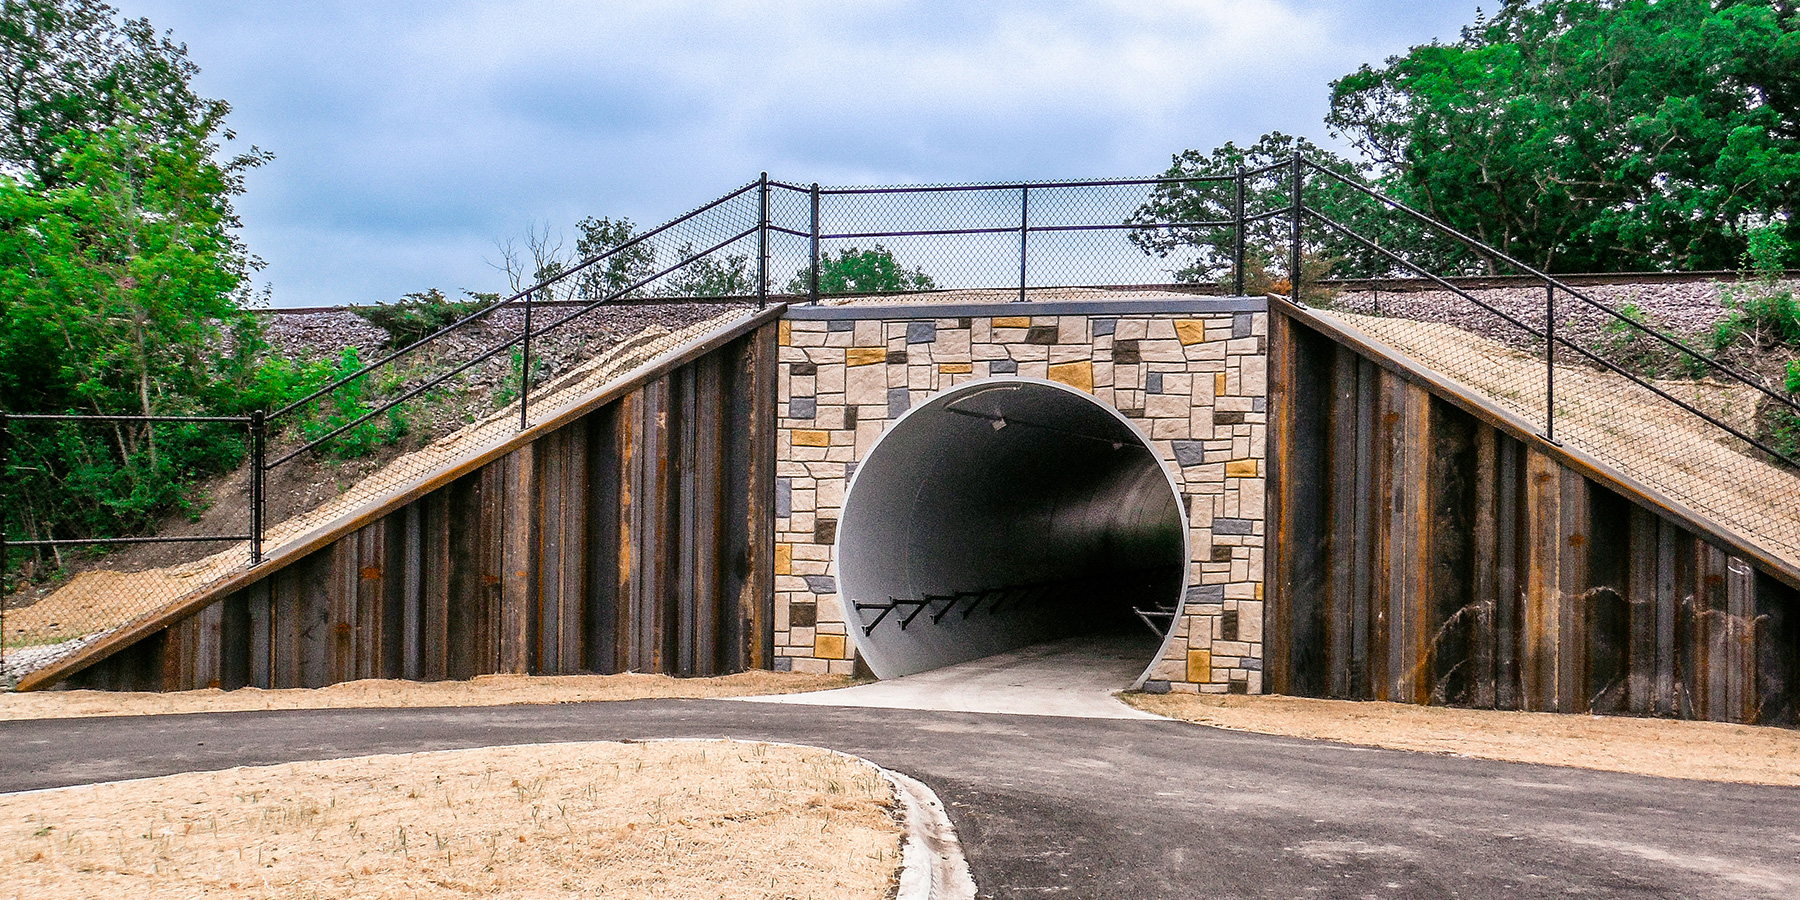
[410, 136]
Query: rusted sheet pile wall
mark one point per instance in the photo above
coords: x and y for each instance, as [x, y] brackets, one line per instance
[637, 537]
[1424, 554]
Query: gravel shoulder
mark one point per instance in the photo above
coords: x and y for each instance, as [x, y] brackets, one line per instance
[1703, 751]
[722, 819]
[486, 690]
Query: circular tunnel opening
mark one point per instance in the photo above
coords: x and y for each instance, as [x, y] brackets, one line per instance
[1003, 514]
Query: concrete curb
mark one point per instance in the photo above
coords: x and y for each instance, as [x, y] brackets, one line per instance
[932, 866]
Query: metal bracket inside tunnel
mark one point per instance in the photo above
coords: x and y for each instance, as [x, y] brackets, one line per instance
[1165, 613]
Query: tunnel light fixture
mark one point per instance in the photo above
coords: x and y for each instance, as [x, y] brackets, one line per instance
[999, 422]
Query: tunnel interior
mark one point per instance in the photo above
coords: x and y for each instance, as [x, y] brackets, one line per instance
[1002, 514]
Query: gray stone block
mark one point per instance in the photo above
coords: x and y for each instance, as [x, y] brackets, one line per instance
[921, 332]
[803, 408]
[1003, 367]
[1156, 687]
[1259, 404]
[821, 584]
[1206, 593]
[784, 497]
[899, 401]
[1234, 526]
[841, 325]
[1190, 453]
[803, 368]
[1103, 327]
[1153, 383]
[784, 664]
[1243, 325]
[1251, 663]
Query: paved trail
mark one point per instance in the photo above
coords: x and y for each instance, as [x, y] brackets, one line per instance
[1096, 807]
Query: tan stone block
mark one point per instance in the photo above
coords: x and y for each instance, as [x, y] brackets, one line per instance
[1131, 329]
[785, 333]
[1160, 350]
[1254, 376]
[1028, 352]
[1250, 621]
[1169, 429]
[1162, 328]
[828, 646]
[866, 386]
[808, 666]
[1241, 468]
[1167, 406]
[955, 368]
[809, 438]
[865, 356]
[1062, 353]
[1199, 666]
[784, 559]
[839, 339]
[868, 333]
[1190, 331]
[1034, 370]
[919, 378]
[1012, 321]
[1218, 385]
[1072, 330]
[809, 338]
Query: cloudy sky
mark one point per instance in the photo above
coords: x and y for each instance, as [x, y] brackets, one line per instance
[410, 135]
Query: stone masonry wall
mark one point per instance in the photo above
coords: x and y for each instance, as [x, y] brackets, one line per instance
[1195, 382]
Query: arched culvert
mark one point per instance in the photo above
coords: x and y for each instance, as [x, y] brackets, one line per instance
[1001, 514]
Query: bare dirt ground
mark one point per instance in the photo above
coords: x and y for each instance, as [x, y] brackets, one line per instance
[664, 819]
[487, 690]
[1704, 751]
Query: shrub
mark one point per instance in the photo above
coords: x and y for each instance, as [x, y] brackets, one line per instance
[1763, 311]
[423, 313]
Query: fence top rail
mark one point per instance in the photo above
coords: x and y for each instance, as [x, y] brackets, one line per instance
[1005, 185]
[77, 417]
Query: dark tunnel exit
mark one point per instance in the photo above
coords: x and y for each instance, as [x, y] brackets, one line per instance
[1002, 514]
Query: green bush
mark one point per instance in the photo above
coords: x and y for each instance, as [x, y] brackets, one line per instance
[421, 314]
[345, 405]
[1763, 313]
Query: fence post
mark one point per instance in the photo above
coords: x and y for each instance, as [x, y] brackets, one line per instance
[1237, 266]
[1550, 362]
[259, 430]
[1024, 232]
[525, 367]
[813, 296]
[762, 242]
[1298, 210]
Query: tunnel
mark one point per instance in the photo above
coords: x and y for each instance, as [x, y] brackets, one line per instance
[1003, 514]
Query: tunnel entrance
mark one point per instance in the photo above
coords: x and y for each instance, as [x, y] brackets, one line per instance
[1006, 513]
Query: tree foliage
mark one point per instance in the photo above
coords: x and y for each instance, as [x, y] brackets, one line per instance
[1596, 135]
[121, 273]
[854, 270]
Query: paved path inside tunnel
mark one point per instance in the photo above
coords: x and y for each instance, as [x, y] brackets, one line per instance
[1075, 677]
[1102, 808]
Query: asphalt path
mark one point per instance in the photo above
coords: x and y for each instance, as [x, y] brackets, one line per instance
[1071, 807]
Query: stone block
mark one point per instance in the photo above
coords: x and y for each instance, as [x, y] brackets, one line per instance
[955, 368]
[866, 386]
[1159, 351]
[1190, 331]
[1199, 666]
[1012, 321]
[1233, 526]
[803, 408]
[808, 438]
[921, 332]
[899, 400]
[1206, 594]
[1072, 330]
[1131, 329]
[784, 559]
[1041, 334]
[1104, 327]
[865, 356]
[1153, 383]
[821, 584]
[784, 497]
[1078, 375]
[1190, 453]
[1241, 468]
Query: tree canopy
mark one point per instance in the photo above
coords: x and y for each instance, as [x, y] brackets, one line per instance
[854, 270]
[1595, 135]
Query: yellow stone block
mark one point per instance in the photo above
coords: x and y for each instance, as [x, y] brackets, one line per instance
[1190, 331]
[1012, 321]
[785, 333]
[1259, 587]
[1078, 375]
[1241, 468]
[1199, 667]
[1219, 384]
[865, 356]
[784, 559]
[828, 646]
[812, 438]
[955, 368]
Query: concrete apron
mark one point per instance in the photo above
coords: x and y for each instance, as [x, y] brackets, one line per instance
[1075, 678]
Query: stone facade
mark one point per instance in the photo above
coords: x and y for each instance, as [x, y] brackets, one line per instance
[1194, 381]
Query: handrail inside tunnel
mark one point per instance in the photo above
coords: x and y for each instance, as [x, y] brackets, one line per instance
[1005, 513]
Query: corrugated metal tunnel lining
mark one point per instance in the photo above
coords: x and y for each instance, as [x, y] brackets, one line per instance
[1001, 514]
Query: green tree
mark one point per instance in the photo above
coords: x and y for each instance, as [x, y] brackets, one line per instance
[853, 270]
[121, 273]
[712, 275]
[618, 272]
[1599, 135]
